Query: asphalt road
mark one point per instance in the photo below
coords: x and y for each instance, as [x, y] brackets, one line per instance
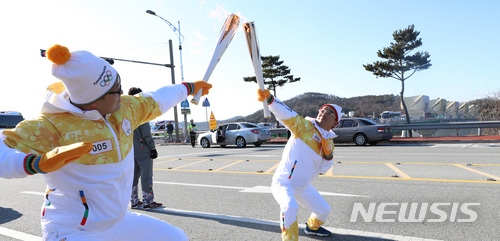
[388, 192]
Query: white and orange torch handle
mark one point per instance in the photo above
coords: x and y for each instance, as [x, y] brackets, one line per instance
[226, 35]
[253, 48]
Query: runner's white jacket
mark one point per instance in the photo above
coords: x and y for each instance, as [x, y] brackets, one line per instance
[93, 192]
[303, 157]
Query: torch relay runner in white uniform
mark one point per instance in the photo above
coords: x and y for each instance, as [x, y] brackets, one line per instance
[83, 145]
[308, 152]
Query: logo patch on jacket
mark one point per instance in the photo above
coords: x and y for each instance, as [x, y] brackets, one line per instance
[126, 127]
[316, 137]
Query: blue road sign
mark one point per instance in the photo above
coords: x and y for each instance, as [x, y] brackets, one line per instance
[185, 104]
[206, 103]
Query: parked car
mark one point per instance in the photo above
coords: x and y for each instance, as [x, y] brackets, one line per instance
[159, 128]
[268, 125]
[9, 119]
[238, 133]
[361, 131]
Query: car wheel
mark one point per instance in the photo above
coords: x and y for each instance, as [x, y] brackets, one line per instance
[360, 139]
[257, 144]
[205, 143]
[240, 142]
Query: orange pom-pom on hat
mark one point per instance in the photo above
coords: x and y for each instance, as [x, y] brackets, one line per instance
[58, 54]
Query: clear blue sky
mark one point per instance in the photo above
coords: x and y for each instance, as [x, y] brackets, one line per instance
[325, 43]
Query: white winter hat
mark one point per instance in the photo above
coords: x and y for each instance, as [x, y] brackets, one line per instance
[338, 110]
[86, 76]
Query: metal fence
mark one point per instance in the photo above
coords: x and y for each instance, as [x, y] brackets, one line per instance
[430, 129]
[447, 128]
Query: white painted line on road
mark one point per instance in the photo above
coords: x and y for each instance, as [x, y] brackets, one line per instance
[34, 193]
[205, 153]
[198, 185]
[256, 189]
[263, 189]
[358, 233]
[266, 189]
[261, 155]
[19, 235]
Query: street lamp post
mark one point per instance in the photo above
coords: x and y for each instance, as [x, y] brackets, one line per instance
[177, 31]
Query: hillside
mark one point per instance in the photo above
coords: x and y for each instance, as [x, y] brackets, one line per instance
[308, 104]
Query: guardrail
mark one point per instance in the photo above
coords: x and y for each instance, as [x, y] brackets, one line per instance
[426, 128]
[447, 125]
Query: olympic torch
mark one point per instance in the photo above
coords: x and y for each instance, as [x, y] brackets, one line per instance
[226, 35]
[253, 48]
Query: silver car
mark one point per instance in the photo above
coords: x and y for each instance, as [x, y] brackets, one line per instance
[361, 131]
[238, 133]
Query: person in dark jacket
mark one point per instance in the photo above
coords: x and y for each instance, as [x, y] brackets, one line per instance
[170, 130]
[144, 153]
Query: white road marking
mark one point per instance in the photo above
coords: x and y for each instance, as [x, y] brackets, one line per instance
[34, 193]
[257, 189]
[261, 155]
[28, 237]
[266, 189]
[19, 235]
[198, 185]
[358, 233]
[205, 153]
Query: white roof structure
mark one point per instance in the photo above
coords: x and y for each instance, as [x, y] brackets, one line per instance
[417, 105]
[452, 108]
[437, 106]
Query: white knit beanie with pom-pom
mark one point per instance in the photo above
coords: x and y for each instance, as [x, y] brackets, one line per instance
[86, 77]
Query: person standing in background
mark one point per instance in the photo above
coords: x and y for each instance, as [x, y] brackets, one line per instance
[144, 153]
[192, 132]
[170, 130]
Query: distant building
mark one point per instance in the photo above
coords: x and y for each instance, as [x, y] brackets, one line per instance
[421, 107]
[473, 110]
[452, 109]
[437, 107]
[463, 110]
[417, 105]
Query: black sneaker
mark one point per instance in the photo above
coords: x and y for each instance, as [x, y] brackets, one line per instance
[138, 205]
[152, 205]
[320, 232]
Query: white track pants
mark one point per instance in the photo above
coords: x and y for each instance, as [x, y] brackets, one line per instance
[289, 199]
[133, 227]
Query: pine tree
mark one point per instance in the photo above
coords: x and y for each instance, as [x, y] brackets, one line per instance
[275, 74]
[399, 61]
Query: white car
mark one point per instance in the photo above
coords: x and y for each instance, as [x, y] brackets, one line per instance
[238, 133]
